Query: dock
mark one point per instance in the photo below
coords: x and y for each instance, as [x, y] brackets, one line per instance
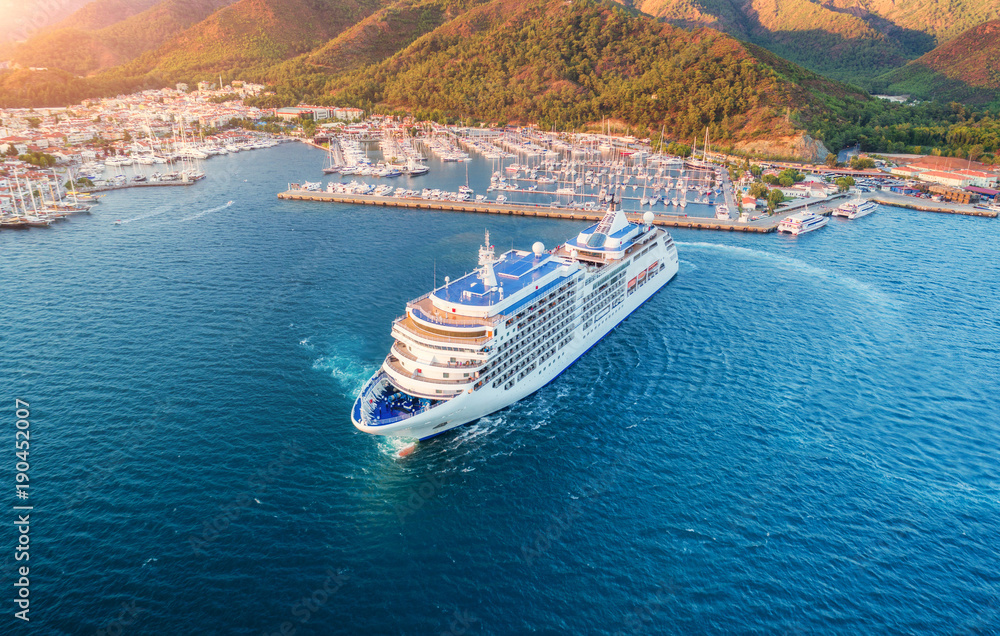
[902, 201]
[144, 184]
[766, 225]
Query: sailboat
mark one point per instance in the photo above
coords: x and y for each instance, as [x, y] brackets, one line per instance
[331, 164]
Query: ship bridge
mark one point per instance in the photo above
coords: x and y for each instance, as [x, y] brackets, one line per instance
[608, 240]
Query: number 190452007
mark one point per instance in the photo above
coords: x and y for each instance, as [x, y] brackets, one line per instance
[22, 438]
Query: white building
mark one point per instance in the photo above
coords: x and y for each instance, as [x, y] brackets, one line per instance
[979, 178]
[951, 179]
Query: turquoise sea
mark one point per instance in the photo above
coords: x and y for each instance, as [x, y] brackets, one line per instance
[796, 435]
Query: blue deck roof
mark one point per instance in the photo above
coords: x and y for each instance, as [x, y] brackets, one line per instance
[620, 234]
[514, 272]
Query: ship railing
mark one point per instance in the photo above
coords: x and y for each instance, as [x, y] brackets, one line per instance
[401, 350]
[393, 363]
[422, 315]
[406, 324]
[479, 321]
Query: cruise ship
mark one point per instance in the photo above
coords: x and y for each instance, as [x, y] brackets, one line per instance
[855, 209]
[802, 222]
[478, 344]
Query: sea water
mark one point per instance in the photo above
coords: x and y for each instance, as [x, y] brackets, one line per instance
[796, 435]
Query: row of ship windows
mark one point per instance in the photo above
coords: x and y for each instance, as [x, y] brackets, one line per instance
[541, 360]
[604, 315]
[550, 296]
[651, 246]
[600, 296]
[562, 319]
[523, 350]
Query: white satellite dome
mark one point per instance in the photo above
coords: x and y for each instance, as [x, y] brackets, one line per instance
[648, 218]
[538, 248]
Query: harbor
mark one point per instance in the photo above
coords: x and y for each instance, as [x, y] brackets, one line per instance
[191, 312]
[769, 224]
[940, 207]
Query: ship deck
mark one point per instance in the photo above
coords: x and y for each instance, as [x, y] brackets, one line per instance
[514, 271]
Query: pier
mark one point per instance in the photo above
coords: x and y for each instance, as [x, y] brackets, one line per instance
[143, 184]
[768, 224]
[924, 205]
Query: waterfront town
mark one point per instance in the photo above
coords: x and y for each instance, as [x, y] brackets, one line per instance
[55, 159]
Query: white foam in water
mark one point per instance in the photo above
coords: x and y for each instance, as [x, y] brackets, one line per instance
[204, 212]
[348, 372]
[796, 265]
[391, 446]
[141, 217]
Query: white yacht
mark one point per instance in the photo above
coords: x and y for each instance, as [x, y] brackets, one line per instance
[856, 209]
[722, 212]
[500, 333]
[802, 222]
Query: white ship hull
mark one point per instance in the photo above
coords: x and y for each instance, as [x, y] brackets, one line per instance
[855, 210]
[588, 327]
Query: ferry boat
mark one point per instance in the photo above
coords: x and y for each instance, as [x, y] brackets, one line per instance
[855, 209]
[802, 222]
[500, 333]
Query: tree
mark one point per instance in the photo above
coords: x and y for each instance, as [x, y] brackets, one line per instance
[785, 181]
[976, 152]
[774, 198]
[831, 160]
[679, 149]
[758, 190]
[34, 122]
[770, 179]
[755, 170]
[844, 183]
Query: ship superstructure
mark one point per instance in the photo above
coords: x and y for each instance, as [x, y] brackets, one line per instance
[478, 344]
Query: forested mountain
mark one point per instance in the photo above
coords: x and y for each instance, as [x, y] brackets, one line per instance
[247, 36]
[82, 50]
[24, 17]
[97, 14]
[564, 65]
[557, 64]
[964, 69]
[851, 40]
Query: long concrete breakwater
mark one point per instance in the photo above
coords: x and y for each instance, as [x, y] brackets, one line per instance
[142, 184]
[769, 224]
[900, 201]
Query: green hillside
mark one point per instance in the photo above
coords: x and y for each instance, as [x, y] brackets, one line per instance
[564, 65]
[248, 35]
[81, 51]
[98, 14]
[851, 40]
[964, 69]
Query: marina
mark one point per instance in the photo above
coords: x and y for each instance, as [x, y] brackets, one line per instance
[513, 209]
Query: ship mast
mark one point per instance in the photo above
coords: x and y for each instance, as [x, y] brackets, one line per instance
[486, 260]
